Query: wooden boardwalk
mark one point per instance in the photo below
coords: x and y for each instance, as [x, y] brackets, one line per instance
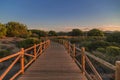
[54, 64]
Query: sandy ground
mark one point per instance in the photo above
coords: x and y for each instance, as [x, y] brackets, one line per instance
[9, 43]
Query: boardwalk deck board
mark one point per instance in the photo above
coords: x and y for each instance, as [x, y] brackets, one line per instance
[54, 64]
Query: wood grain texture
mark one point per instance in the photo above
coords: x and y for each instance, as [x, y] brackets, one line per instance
[54, 64]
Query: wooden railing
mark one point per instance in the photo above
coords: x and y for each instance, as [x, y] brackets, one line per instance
[85, 61]
[73, 37]
[32, 52]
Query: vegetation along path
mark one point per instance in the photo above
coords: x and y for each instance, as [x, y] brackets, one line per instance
[53, 64]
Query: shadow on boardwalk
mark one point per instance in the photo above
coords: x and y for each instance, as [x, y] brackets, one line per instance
[54, 64]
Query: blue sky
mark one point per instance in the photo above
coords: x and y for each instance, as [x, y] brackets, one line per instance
[53, 14]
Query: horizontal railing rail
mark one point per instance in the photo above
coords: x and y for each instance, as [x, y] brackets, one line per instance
[21, 56]
[75, 52]
[68, 37]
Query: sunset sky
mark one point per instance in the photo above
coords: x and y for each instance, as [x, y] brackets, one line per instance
[62, 14]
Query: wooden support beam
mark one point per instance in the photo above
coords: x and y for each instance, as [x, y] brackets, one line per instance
[44, 45]
[22, 60]
[74, 50]
[68, 47]
[35, 55]
[83, 60]
[41, 48]
[117, 73]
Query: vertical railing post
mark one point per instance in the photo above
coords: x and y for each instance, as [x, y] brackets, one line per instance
[48, 43]
[41, 48]
[63, 42]
[60, 41]
[44, 45]
[68, 47]
[67, 44]
[22, 60]
[35, 55]
[83, 60]
[74, 51]
[117, 72]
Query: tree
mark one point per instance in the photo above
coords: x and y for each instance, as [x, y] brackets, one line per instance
[52, 33]
[3, 30]
[114, 37]
[95, 32]
[42, 33]
[76, 32]
[16, 29]
[39, 33]
[62, 33]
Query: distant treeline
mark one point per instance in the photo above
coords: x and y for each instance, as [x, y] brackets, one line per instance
[16, 29]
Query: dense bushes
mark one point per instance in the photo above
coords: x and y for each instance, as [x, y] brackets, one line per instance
[85, 44]
[15, 29]
[95, 32]
[38, 33]
[28, 42]
[76, 32]
[76, 40]
[52, 33]
[4, 53]
[114, 37]
[113, 50]
[102, 46]
[3, 30]
[102, 50]
[98, 44]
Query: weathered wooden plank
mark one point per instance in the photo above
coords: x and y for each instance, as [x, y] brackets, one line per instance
[53, 64]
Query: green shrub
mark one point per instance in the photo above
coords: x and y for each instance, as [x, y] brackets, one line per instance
[102, 50]
[95, 32]
[85, 44]
[4, 53]
[3, 30]
[113, 50]
[16, 29]
[28, 42]
[95, 38]
[114, 37]
[96, 44]
[76, 40]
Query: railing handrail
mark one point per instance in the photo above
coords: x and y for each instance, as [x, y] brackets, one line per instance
[105, 63]
[20, 55]
[70, 48]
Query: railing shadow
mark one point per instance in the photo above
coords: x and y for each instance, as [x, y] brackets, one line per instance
[83, 60]
[22, 59]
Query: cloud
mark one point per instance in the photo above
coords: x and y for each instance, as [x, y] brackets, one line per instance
[83, 28]
[109, 28]
[87, 28]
